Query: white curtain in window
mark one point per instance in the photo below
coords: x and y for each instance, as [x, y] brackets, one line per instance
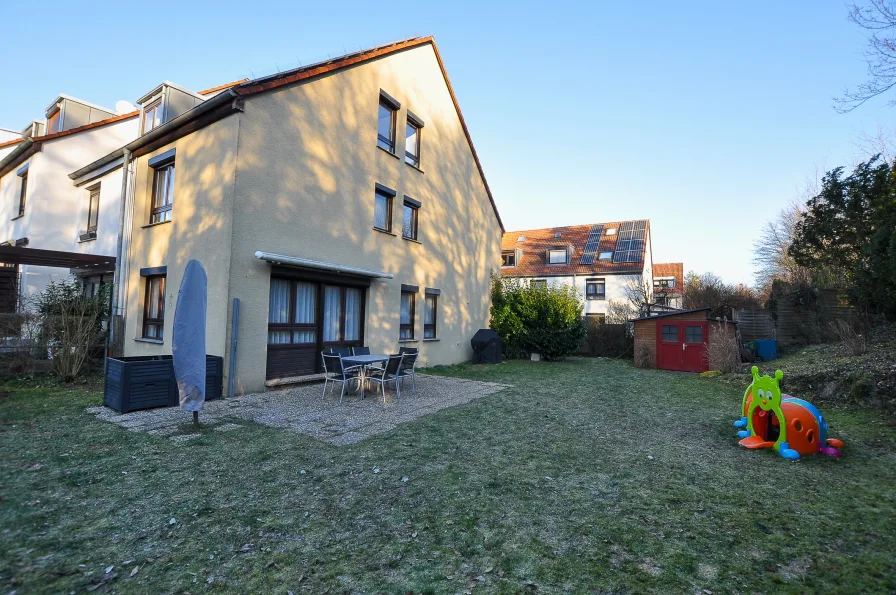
[405, 308]
[380, 210]
[306, 302]
[332, 312]
[277, 337]
[430, 310]
[278, 308]
[352, 314]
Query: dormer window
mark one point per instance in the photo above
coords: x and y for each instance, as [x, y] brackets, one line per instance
[54, 122]
[558, 256]
[508, 258]
[152, 115]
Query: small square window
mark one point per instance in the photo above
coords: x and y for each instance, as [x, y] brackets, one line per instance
[538, 283]
[693, 334]
[386, 126]
[382, 211]
[508, 258]
[595, 289]
[670, 333]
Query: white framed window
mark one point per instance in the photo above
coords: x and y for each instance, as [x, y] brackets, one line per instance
[558, 256]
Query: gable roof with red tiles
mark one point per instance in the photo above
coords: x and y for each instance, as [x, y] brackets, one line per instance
[532, 260]
[670, 269]
[32, 145]
[222, 87]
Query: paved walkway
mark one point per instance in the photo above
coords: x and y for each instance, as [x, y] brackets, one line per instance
[301, 409]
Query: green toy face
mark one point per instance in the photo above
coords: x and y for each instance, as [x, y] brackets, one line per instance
[766, 392]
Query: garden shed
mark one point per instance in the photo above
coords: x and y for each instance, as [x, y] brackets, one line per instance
[678, 340]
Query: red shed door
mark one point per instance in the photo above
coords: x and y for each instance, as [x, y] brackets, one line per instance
[693, 354]
[668, 345]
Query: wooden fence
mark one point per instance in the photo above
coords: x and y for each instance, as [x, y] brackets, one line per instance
[755, 323]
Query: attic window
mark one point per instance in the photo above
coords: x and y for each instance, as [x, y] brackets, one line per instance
[152, 115]
[611, 231]
[54, 121]
[605, 255]
[508, 258]
[558, 256]
[557, 235]
[521, 239]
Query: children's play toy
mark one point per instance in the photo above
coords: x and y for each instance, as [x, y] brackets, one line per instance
[791, 426]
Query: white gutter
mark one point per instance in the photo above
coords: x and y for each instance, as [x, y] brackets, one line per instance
[306, 263]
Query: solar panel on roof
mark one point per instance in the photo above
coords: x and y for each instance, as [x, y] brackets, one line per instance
[630, 245]
[591, 244]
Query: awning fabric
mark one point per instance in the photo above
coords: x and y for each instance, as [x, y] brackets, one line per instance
[307, 263]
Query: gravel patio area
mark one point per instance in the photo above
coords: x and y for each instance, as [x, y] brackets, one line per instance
[301, 409]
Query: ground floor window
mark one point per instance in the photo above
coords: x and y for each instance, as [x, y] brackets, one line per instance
[430, 314]
[406, 324]
[154, 307]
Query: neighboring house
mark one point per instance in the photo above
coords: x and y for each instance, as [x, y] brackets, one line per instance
[601, 260]
[342, 203]
[668, 283]
[41, 210]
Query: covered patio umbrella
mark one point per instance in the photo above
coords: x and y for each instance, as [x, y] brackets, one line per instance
[188, 338]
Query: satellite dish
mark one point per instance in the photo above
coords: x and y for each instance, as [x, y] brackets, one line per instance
[123, 107]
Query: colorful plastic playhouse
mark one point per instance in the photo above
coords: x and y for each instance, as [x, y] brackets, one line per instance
[791, 426]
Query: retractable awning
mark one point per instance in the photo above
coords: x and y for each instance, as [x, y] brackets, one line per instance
[306, 263]
[56, 258]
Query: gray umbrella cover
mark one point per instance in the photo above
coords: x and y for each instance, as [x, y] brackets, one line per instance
[188, 338]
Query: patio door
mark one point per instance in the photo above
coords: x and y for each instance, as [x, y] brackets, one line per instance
[305, 317]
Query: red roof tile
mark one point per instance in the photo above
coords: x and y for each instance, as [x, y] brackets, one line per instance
[111, 120]
[222, 87]
[533, 262]
[14, 141]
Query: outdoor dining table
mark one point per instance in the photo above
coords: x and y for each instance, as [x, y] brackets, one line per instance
[364, 361]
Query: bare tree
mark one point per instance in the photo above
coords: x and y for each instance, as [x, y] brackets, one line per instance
[878, 18]
[879, 142]
[770, 250]
[639, 293]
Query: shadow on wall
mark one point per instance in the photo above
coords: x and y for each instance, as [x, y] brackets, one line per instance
[304, 185]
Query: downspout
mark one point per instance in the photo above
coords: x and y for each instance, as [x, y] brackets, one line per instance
[116, 278]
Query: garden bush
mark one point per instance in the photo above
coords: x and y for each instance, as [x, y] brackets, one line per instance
[537, 319]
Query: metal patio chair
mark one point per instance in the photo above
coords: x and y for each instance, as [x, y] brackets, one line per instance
[387, 374]
[407, 368]
[360, 350]
[335, 371]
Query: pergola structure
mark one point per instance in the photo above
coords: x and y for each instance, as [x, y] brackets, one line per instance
[13, 255]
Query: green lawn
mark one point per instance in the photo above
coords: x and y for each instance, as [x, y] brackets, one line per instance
[587, 475]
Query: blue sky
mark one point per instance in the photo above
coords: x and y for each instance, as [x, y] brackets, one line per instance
[704, 117]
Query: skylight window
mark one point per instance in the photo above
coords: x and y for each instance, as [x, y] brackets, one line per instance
[521, 239]
[557, 235]
[611, 231]
[606, 255]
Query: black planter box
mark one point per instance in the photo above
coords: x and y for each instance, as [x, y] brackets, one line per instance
[144, 382]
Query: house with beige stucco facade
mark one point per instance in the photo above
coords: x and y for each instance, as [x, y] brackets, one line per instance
[337, 204]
